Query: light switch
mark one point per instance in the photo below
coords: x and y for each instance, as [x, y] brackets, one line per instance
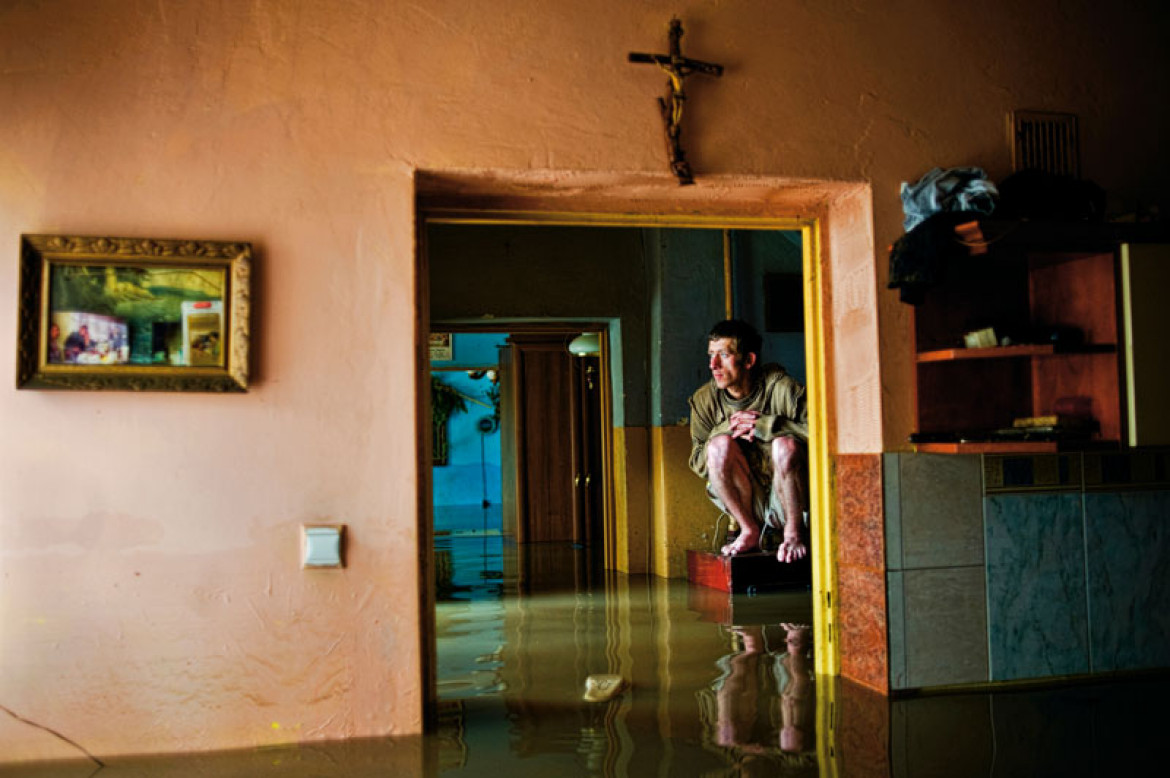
[321, 545]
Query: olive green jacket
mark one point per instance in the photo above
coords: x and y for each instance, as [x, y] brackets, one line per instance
[775, 395]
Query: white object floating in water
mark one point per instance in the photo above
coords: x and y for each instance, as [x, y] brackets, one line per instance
[602, 687]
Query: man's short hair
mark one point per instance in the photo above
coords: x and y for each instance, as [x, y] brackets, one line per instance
[746, 339]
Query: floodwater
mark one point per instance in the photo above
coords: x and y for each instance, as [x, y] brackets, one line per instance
[708, 684]
[695, 682]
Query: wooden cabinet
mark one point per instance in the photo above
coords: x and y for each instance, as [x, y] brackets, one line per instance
[1053, 297]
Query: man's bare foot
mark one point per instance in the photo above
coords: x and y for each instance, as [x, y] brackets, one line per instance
[791, 548]
[744, 544]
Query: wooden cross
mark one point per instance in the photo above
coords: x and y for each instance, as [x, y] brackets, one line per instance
[677, 68]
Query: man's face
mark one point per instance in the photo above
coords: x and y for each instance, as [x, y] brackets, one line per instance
[731, 371]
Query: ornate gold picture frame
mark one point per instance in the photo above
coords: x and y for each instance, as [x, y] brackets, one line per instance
[138, 314]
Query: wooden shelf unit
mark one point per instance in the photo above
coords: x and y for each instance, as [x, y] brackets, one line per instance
[1025, 289]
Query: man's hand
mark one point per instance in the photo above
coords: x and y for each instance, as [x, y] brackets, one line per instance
[743, 424]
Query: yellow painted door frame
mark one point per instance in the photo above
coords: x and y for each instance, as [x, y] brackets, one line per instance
[823, 523]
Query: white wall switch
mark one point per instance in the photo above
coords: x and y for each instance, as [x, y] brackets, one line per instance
[321, 545]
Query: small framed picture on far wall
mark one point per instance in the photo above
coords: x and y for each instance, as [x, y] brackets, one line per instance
[442, 347]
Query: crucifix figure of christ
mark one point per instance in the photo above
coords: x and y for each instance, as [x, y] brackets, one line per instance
[677, 68]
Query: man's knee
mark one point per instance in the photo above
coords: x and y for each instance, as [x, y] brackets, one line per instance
[787, 454]
[720, 450]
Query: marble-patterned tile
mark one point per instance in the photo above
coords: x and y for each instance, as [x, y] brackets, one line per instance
[1036, 601]
[1128, 541]
[892, 498]
[859, 510]
[941, 516]
[946, 626]
[862, 630]
[896, 631]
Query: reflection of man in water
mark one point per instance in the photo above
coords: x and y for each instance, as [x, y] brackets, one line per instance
[752, 671]
[738, 696]
[797, 701]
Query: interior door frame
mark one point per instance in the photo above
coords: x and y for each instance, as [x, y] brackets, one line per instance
[567, 327]
[469, 210]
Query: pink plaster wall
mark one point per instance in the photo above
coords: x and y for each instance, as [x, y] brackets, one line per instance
[150, 598]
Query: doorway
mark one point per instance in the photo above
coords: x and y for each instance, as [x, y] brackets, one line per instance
[660, 286]
[817, 209]
[519, 430]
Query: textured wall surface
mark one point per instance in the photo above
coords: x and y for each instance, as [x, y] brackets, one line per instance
[151, 595]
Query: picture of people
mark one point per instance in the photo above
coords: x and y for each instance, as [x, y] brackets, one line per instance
[115, 314]
[93, 339]
[55, 354]
[202, 324]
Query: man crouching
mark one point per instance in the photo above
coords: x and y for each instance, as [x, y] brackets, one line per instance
[749, 440]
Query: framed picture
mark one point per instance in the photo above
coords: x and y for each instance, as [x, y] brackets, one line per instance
[442, 347]
[138, 314]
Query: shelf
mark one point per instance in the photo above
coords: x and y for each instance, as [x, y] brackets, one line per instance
[990, 447]
[1009, 352]
[1014, 446]
[990, 352]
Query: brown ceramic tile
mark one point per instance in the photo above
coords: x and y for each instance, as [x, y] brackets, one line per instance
[892, 508]
[946, 626]
[859, 511]
[896, 634]
[862, 617]
[942, 511]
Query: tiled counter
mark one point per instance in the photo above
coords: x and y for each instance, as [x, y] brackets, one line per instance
[1005, 568]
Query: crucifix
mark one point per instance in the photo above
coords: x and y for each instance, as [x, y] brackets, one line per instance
[677, 68]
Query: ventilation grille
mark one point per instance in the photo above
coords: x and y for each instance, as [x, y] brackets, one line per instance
[1045, 141]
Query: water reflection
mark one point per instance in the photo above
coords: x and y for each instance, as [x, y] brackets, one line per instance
[714, 684]
[765, 698]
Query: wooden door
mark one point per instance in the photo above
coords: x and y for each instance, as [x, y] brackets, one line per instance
[587, 460]
[544, 438]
